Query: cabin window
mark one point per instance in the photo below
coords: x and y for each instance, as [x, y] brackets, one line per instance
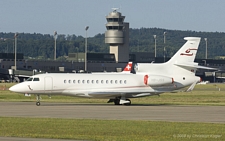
[69, 81]
[107, 81]
[88, 81]
[30, 79]
[74, 81]
[125, 81]
[64, 81]
[116, 81]
[92, 81]
[102, 81]
[79, 81]
[83, 81]
[121, 82]
[97, 81]
[36, 79]
[111, 81]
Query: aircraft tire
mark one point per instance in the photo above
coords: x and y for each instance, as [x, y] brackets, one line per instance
[38, 103]
[127, 104]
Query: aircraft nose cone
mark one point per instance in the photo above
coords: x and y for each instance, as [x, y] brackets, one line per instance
[13, 89]
[16, 88]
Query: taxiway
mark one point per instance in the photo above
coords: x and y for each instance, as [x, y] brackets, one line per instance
[172, 113]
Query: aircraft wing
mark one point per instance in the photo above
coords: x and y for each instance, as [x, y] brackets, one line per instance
[126, 92]
[110, 95]
[118, 92]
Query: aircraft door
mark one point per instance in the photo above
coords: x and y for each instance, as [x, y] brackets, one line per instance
[48, 84]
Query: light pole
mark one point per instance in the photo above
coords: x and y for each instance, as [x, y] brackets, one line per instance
[55, 36]
[138, 40]
[86, 28]
[15, 36]
[205, 48]
[155, 44]
[164, 46]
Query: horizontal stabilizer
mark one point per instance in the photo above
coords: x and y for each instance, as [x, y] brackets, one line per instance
[195, 65]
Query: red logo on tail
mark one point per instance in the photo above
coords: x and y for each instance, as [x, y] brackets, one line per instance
[187, 52]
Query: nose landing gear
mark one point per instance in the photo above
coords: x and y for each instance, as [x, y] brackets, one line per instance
[38, 102]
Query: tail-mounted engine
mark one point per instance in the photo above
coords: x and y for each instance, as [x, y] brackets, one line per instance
[157, 80]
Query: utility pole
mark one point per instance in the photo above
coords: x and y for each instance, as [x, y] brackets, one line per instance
[15, 36]
[205, 48]
[86, 28]
[155, 44]
[164, 46]
[55, 36]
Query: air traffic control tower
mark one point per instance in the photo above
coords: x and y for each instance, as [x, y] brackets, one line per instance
[117, 35]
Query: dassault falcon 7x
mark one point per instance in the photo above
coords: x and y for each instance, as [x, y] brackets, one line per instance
[149, 79]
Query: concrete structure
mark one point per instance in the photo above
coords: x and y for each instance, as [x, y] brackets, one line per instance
[117, 35]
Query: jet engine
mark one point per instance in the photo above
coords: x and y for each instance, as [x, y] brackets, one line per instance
[157, 80]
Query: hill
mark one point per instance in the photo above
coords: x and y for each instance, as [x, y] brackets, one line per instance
[41, 46]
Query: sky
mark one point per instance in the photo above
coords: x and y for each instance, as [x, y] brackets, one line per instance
[72, 16]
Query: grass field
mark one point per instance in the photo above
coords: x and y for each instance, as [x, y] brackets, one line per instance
[121, 130]
[109, 129]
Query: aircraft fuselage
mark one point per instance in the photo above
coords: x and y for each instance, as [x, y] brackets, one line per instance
[99, 85]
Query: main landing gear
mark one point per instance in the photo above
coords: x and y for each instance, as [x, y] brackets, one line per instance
[38, 102]
[129, 102]
[120, 101]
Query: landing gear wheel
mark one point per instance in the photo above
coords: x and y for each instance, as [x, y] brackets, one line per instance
[127, 104]
[117, 101]
[38, 103]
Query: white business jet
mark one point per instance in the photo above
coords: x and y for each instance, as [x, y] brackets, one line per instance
[149, 79]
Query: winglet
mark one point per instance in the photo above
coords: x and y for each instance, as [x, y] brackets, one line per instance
[128, 68]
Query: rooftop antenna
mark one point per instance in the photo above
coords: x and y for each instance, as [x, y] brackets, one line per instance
[115, 9]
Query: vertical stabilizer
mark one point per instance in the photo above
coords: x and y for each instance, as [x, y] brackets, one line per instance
[128, 68]
[187, 53]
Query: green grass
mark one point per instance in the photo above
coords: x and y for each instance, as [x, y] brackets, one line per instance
[119, 130]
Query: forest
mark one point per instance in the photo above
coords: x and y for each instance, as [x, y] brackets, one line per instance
[41, 46]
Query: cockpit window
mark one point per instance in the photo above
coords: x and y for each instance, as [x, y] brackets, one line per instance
[30, 79]
[36, 79]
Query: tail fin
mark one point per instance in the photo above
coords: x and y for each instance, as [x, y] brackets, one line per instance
[128, 68]
[186, 54]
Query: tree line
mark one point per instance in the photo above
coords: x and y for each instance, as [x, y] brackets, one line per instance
[41, 46]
